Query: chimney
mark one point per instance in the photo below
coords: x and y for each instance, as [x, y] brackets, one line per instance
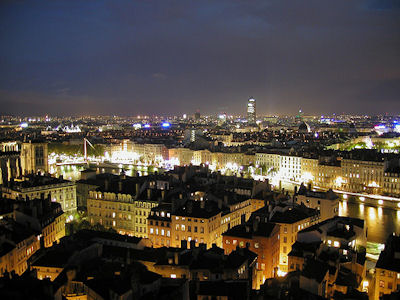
[163, 194]
[40, 207]
[184, 244]
[106, 184]
[34, 212]
[148, 194]
[219, 203]
[203, 246]
[173, 206]
[247, 228]
[226, 200]
[120, 186]
[255, 225]
[137, 188]
[202, 204]
[176, 258]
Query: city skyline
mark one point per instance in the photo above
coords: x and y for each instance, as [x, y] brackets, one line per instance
[164, 58]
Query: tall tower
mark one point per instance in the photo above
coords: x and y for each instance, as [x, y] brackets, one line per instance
[251, 111]
[34, 157]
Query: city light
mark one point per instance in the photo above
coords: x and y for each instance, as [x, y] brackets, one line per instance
[373, 184]
[339, 181]
[159, 175]
[307, 177]
[281, 273]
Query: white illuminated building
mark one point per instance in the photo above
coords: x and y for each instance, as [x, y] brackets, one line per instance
[251, 111]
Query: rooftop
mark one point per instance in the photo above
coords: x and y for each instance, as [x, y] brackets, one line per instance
[249, 230]
[389, 259]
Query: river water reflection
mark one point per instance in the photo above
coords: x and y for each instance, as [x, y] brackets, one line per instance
[380, 221]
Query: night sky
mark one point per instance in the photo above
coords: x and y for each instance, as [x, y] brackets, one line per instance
[172, 57]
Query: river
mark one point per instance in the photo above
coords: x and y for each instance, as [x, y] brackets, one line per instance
[380, 221]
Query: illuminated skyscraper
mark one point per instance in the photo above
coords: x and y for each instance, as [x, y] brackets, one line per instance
[251, 111]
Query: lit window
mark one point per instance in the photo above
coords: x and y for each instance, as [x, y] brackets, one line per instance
[336, 244]
[162, 231]
[173, 275]
[151, 230]
[329, 242]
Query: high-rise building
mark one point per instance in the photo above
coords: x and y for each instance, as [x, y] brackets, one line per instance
[251, 111]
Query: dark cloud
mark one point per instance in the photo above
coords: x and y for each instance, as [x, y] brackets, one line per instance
[135, 57]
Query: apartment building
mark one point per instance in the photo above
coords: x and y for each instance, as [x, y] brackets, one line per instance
[327, 203]
[17, 243]
[43, 186]
[331, 257]
[261, 238]
[391, 184]
[363, 176]
[121, 211]
[291, 219]
[183, 156]
[197, 220]
[159, 225]
[44, 216]
[387, 271]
